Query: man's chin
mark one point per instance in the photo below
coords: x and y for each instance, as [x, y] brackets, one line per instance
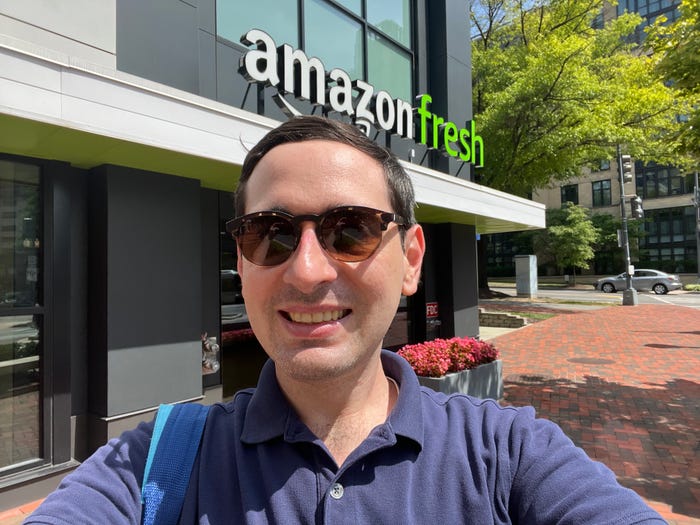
[314, 364]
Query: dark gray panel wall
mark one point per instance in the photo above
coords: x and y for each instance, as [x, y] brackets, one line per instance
[464, 280]
[449, 70]
[456, 288]
[154, 257]
[146, 289]
[68, 309]
[159, 40]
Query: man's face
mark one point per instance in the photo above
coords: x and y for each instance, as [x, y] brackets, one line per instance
[287, 303]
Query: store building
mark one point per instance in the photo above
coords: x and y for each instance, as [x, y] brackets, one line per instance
[123, 126]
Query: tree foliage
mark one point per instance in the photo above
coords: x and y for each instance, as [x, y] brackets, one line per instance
[568, 240]
[551, 93]
[606, 248]
[676, 52]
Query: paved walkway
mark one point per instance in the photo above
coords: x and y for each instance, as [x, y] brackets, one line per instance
[624, 383]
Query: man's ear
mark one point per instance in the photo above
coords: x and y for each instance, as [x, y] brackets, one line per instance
[414, 249]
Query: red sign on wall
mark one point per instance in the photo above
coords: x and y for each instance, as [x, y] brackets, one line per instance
[431, 310]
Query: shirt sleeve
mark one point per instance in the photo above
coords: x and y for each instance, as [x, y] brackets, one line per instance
[556, 482]
[106, 488]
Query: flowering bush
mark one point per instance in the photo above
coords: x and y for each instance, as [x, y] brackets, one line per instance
[441, 356]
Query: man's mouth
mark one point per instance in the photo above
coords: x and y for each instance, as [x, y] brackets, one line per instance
[317, 317]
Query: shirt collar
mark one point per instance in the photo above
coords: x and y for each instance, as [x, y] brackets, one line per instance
[270, 416]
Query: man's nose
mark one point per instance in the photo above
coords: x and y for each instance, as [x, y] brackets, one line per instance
[310, 264]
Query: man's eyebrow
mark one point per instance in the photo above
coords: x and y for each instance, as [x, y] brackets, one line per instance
[282, 209]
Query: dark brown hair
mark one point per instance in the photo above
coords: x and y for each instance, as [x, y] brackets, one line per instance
[300, 129]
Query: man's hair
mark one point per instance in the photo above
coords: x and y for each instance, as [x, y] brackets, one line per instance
[300, 129]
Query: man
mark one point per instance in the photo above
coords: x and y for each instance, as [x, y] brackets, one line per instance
[339, 431]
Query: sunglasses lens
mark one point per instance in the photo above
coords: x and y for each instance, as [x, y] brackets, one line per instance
[266, 240]
[351, 235]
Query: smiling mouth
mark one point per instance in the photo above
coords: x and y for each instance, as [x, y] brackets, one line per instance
[317, 317]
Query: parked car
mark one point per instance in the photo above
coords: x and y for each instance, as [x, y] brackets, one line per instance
[654, 280]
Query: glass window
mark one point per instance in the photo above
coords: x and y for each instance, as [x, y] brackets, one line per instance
[20, 314]
[376, 48]
[676, 185]
[393, 17]
[389, 68]
[353, 5]
[665, 229]
[20, 235]
[278, 18]
[662, 179]
[602, 165]
[677, 218]
[335, 38]
[20, 401]
[650, 186]
[569, 193]
[601, 193]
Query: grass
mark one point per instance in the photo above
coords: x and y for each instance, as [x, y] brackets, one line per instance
[550, 300]
[537, 316]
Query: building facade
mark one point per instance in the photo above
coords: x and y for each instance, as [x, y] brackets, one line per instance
[123, 127]
[668, 230]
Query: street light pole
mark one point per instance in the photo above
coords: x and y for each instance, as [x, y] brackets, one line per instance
[629, 296]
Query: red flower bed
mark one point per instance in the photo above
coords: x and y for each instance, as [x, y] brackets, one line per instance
[441, 356]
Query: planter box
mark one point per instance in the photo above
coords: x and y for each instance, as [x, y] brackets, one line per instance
[484, 381]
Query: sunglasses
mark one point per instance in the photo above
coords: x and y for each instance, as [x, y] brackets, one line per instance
[347, 233]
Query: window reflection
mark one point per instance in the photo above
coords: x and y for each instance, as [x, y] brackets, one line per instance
[389, 67]
[20, 235]
[278, 18]
[333, 37]
[21, 251]
[20, 429]
[393, 17]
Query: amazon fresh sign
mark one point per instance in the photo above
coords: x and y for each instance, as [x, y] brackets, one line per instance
[293, 73]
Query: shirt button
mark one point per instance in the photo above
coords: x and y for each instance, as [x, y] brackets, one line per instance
[337, 491]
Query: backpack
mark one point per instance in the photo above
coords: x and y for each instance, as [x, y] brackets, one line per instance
[174, 446]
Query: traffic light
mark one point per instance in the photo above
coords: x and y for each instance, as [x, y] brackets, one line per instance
[636, 206]
[626, 167]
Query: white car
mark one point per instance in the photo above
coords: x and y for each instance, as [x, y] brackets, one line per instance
[654, 280]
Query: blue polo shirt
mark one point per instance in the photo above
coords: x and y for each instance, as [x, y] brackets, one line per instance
[438, 459]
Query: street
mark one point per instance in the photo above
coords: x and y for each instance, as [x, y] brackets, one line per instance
[676, 298]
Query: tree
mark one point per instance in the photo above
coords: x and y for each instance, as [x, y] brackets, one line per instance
[554, 92]
[676, 49]
[568, 240]
[609, 257]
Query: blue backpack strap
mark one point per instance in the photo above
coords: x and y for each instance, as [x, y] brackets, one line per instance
[174, 445]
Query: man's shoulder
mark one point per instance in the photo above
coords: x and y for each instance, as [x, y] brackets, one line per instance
[456, 405]
[479, 420]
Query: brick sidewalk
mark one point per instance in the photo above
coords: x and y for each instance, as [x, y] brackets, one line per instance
[624, 384]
